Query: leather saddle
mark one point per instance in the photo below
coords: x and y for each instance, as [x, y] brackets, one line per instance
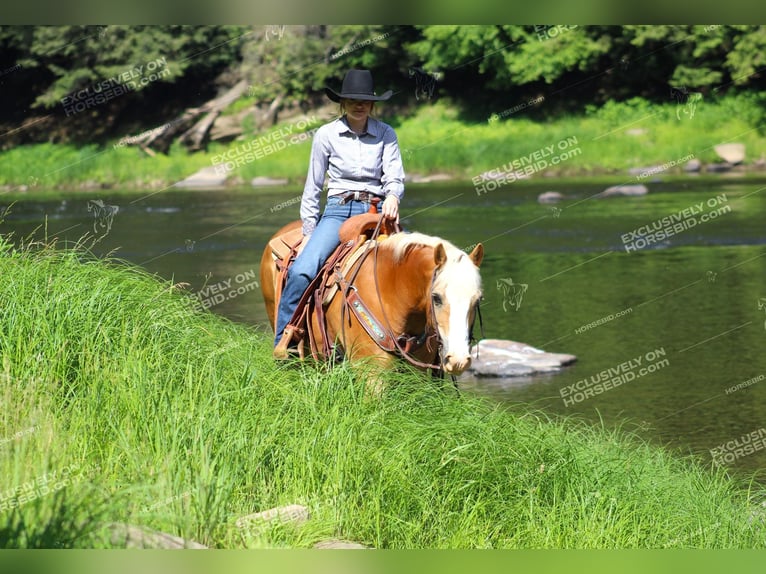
[351, 230]
[356, 237]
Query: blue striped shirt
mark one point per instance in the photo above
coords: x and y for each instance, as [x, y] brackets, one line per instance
[369, 162]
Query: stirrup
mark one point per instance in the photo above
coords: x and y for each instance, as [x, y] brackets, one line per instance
[281, 351]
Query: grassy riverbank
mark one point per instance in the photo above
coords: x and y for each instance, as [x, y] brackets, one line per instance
[610, 139]
[129, 405]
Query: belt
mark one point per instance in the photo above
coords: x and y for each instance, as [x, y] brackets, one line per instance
[359, 196]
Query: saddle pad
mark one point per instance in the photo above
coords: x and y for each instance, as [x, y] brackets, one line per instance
[280, 245]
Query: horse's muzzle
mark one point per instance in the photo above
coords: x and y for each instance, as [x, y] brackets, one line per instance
[456, 365]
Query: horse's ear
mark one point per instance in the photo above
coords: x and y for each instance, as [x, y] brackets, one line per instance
[440, 255]
[477, 254]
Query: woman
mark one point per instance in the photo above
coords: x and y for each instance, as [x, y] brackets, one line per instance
[361, 158]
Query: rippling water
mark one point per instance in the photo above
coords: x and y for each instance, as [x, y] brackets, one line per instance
[685, 307]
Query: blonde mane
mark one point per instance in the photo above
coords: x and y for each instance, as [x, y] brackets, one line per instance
[460, 272]
[401, 243]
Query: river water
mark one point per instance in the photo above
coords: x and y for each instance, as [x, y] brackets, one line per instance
[669, 332]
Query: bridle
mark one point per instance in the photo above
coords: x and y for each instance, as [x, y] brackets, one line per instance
[404, 345]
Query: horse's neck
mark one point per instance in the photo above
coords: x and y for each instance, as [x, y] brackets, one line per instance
[408, 286]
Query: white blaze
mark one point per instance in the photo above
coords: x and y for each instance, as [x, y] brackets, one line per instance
[456, 343]
[462, 283]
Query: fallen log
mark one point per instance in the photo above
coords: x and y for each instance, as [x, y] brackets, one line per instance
[195, 137]
[191, 128]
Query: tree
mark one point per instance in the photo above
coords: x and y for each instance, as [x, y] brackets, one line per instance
[90, 78]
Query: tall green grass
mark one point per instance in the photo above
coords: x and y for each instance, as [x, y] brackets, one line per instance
[435, 139]
[178, 420]
[47, 165]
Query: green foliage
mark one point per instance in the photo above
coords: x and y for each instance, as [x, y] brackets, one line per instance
[444, 47]
[296, 62]
[437, 140]
[748, 56]
[78, 57]
[41, 166]
[479, 67]
[645, 59]
[748, 107]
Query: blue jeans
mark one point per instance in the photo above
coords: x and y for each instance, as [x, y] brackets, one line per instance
[320, 246]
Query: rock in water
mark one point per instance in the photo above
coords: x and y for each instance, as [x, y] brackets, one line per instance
[503, 358]
[733, 153]
[206, 177]
[417, 178]
[718, 167]
[263, 181]
[693, 165]
[643, 172]
[550, 197]
[629, 190]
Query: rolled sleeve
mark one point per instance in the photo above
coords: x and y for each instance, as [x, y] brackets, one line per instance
[393, 170]
[312, 191]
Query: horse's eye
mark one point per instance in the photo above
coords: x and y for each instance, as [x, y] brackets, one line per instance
[437, 299]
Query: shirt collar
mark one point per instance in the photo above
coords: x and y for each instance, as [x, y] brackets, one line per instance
[372, 126]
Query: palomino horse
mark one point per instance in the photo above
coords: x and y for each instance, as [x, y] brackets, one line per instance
[421, 290]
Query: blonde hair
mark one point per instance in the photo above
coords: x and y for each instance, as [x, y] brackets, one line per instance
[342, 108]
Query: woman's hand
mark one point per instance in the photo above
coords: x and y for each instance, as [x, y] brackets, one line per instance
[390, 208]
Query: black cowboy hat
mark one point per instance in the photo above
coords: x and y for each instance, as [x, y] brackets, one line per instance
[357, 85]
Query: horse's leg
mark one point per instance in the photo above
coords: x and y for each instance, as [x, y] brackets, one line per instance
[371, 363]
[367, 360]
